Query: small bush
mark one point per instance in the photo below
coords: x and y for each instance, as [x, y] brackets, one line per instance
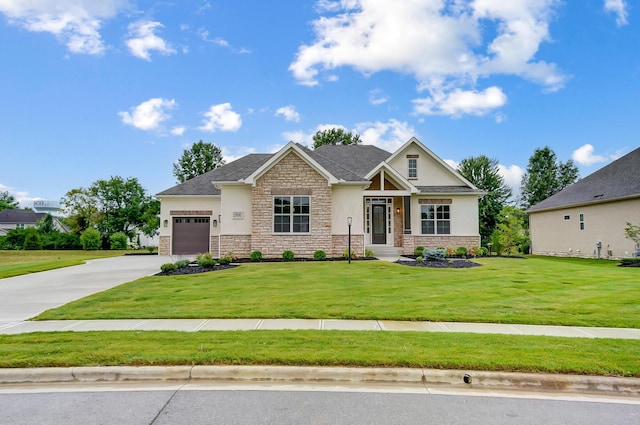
[90, 240]
[168, 268]
[119, 240]
[450, 251]
[181, 264]
[205, 260]
[461, 251]
[345, 254]
[226, 259]
[437, 254]
[369, 254]
[319, 255]
[288, 255]
[32, 240]
[256, 256]
[418, 251]
[419, 259]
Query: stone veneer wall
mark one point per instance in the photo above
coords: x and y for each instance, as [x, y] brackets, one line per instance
[411, 242]
[291, 176]
[214, 246]
[398, 222]
[340, 244]
[238, 245]
[164, 245]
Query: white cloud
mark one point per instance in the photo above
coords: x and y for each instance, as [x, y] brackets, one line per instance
[23, 198]
[178, 131]
[221, 117]
[453, 164]
[459, 102]
[74, 22]
[619, 8]
[388, 135]
[584, 156]
[149, 114]
[377, 97]
[446, 45]
[512, 176]
[231, 155]
[289, 113]
[142, 40]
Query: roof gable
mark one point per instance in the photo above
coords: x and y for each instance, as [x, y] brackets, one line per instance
[618, 180]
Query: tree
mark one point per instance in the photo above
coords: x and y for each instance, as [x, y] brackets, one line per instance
[483, 172]
[633, 232]
[7, 201]
[512, 233]
[123, 206]
[335, 136]
[197, 160]
[80, 210]
[545, 176]
[45, 225]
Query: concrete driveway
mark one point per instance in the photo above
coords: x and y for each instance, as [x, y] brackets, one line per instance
[23, 297]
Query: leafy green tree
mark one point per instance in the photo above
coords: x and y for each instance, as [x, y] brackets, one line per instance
[119, 241]
[45, 225]
[513, 236]
[545, 176]
[32, 240]
[633, 232]
[483, 172]
[197, 160]
[7, 201]
[335, 136]
[80, 210]
[123, 206]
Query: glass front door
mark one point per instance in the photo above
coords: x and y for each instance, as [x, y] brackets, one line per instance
[379, 220]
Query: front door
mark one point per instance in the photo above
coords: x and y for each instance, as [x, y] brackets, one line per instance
[379, 218]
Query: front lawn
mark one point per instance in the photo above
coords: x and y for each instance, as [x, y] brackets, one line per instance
[16, 263]
[612, 357]
[536, 290]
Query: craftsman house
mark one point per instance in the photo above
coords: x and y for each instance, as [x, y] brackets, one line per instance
[587, 219]
[305, 200]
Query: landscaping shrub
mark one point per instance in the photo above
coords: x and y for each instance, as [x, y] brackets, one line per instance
[118, 240]
[419, 259]
[450, 251]
[437, 254]
[32, 240]
[418, 251]
[630, 262]
[181, 264]
[288, 255]
[226, 259]
[256, 256]
[483, 251]
[345, 254]
[168, 268]
[369, 254]
[319, 255]
[90, 240]
[205, 260]
[461, 251]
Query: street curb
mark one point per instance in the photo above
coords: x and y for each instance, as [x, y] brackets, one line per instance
[328, 375]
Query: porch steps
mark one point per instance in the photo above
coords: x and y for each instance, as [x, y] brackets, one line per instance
[381, 251]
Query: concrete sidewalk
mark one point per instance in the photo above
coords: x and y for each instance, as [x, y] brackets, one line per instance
[195, 325]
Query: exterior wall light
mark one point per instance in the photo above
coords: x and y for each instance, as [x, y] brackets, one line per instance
[166, 223]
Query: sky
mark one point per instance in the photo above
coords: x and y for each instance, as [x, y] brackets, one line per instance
[94, 89]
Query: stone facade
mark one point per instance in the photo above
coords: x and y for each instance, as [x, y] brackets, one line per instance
[291, 176]
[215, 253]
[411, 242]
[164, 245]
[238, 245]
[340, 245]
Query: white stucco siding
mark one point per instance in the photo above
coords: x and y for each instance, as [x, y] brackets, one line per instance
[346, 202]
[236, 210]
[430, 172]
[464, 215]
[186, 203]
[552, 234]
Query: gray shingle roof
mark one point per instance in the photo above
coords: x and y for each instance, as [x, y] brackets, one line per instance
[349, 161]
[620, 179]
[233, 171]
[20, 216]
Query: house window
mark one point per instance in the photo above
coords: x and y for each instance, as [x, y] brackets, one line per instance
[567, 217]
[436, 219]
[19, 225]
[581, 221]
[291, 214]
[413, 168]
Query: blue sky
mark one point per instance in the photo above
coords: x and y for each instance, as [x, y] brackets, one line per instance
[93, 89]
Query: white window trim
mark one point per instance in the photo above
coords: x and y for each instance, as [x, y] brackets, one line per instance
[291, 215]
[435, 219]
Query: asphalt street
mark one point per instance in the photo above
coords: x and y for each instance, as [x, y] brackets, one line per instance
[282, 405]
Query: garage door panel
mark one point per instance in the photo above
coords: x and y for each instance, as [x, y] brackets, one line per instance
[191, 235]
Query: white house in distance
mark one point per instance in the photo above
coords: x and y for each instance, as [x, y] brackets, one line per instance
[302, 200]
[587, 219]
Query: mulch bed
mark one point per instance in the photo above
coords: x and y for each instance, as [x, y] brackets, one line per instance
[445, 264]
[193, 269]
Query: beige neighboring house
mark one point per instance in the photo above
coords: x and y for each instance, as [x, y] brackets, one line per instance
[587, 219]
[13, 218]
[301, 200]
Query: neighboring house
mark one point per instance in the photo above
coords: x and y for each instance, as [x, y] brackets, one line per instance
[11, 219]
[587, 219]
[301, 200]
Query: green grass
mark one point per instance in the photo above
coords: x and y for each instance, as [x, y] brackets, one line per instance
[16, 263]
[536, 290]
[610, 357]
